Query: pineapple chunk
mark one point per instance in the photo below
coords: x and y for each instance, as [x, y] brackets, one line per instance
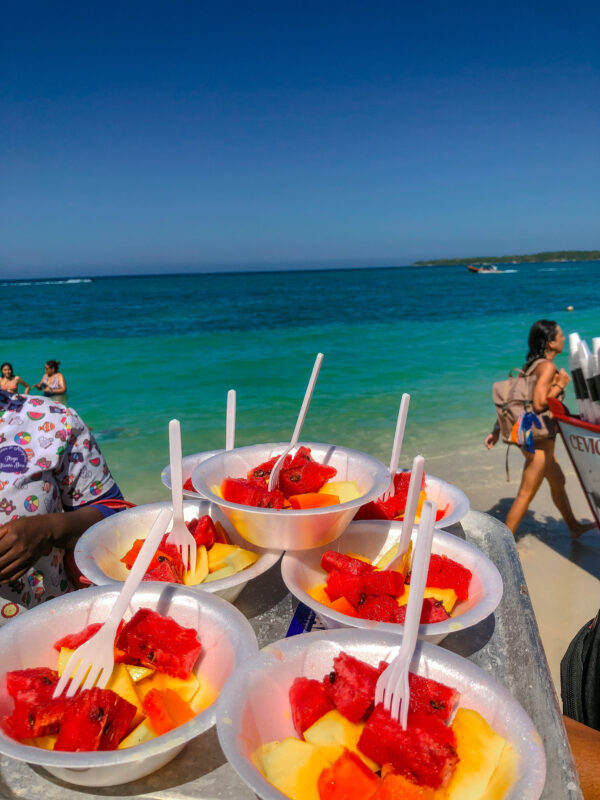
[333, 732]
[294, 767]
[224, 572]
[217, 555]
[201, 571]
[143, 733]
[240, 559]
[138, 673]
[345, 490]
[479, 750]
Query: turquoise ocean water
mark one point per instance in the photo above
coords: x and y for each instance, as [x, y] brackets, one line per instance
[139, 351]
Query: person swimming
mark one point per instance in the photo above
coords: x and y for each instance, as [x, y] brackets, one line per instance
[53, 382]
[10, 382]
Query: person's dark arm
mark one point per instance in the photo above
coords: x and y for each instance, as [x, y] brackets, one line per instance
[23, 541]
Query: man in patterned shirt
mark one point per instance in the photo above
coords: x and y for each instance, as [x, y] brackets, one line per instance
[49, 464]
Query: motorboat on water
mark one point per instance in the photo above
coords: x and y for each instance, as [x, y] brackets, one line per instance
[491, 268]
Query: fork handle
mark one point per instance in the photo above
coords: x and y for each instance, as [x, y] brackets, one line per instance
[140, 565]
[176, 469]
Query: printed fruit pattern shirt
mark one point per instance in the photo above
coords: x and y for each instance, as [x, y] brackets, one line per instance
[49, 461]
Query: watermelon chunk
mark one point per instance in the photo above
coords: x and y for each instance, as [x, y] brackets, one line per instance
[35, 685]
[203, 530]
[309, 702]
[307, 477]
[382, 609]
[264, 470]
[95, 719]
[348, 778]
[345, 584]
[385, 581]
[251, 493]
[188, 485]
[433, 611]
[425, 752]
[351, 686]
[160, 643]
[332, 560]
[431, 697]
[29, 720]
[444, 573]
[163, 572]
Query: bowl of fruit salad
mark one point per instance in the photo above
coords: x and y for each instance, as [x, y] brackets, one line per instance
[174, 652]
[319, 489]
[224, 561]
[299, 721]
[188, 465]
[345, 589]
[452, 503]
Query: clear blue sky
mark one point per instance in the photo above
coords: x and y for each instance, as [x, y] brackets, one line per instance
[148, 136]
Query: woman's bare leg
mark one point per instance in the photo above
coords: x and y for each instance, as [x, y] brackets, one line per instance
[531, 480]
[556, 479]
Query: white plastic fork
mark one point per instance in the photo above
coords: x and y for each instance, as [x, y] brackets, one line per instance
[397, 446]
[230, 420]
[410, 511]
[96, 656]
[179, 535]
[392, 687]
[274, 477]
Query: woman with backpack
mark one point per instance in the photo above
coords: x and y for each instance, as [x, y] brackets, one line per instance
[546, 341]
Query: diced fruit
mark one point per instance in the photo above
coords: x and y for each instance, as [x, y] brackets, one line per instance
[343, 606]
[165, 571]
[309, 701]
[39, 719]
[333, 732]
[138, 673]
[251, 493]
[351, 686]
[479, 749]
[313, 500]
[188, 485]
[432, 611]
[120, 683]
[43, 742]
[143, 733]
[96, 719]
[221, 533]
[319, 594]
[264, 470]
[347, 779]
[306, 477]
[217, 555]
[203, 530]
[167, 556]
[201, 571]
[293, 767]
[445, 573]
[345, 490]
[72, 640]
[447, 597]
[204, 697]
[224, 572]
[358, 557]
[186, 688]
[425, 752]
[387, 582]
[160, 643]
[331, 560]
[241, 558]
[345, 584]
[166, 710]
[35, 685]
[504, 775]
[382, 608]
[397, 787]
[431, 697]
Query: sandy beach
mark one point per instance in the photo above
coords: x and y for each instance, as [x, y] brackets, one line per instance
[563, 576]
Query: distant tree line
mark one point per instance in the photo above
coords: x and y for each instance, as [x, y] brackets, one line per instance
[558, 255]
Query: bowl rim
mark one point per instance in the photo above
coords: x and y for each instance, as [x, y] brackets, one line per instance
[462, 501]
[245, 644]
[194, 459]
[267, 558]
[491, 581]
[379, 486]
[230, 709]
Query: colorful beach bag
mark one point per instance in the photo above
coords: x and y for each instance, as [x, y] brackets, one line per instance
[580, 676]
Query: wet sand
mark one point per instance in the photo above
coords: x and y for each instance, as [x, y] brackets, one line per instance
[563, 575]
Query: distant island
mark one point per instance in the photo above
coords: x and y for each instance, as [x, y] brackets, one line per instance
[559, 255]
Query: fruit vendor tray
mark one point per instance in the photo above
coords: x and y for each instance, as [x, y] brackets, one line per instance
[507, 645]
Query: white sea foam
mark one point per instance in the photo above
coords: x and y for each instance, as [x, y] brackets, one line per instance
[46, 283]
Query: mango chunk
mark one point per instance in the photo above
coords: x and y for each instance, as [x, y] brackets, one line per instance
[345, 490]
[217, 555]
[186, 688]
[204, 697]
[45, 742]
[121, 683]
[143, 733]
[319, 594]
[446, 596]
[201, 571]
[333, 732]
[479, 749]
[294, 767]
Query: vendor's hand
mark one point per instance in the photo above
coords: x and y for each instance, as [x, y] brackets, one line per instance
[22, 542]
[491, 439]
[563, 378]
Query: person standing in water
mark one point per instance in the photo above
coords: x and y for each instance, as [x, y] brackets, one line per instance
[546, 341]
[10, 382]
[53, 382]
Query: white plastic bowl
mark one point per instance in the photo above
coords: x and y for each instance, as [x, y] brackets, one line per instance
[302, 571]
[27, 641]
[446, 494]
[99, 550]
[187, 467]
[291, 529]
[255, 708]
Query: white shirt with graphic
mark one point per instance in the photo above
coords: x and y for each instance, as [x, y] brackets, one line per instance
[49, 461]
